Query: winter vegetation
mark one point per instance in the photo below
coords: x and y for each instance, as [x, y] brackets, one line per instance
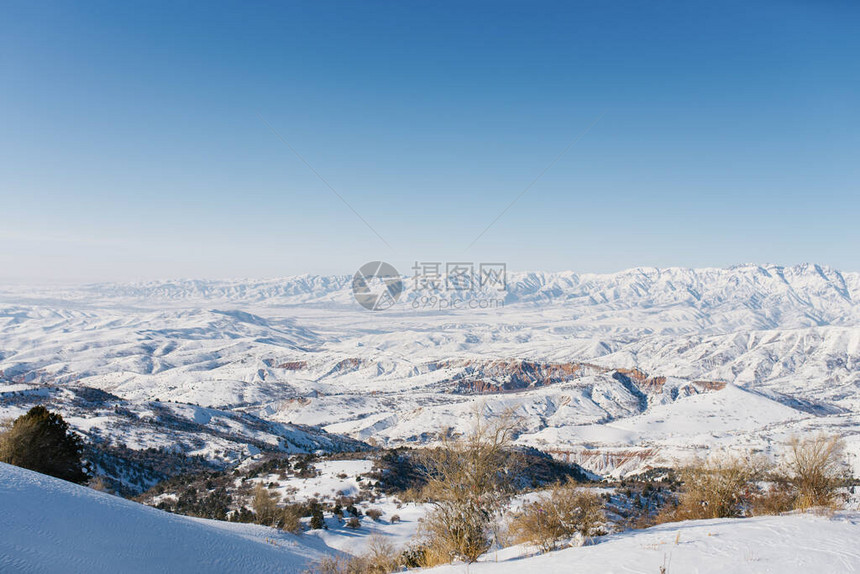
[474, 503]
[646, 419]
[557, 516]
[40, 440]
[813, 474]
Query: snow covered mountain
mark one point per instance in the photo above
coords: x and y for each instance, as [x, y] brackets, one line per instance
[615, 371]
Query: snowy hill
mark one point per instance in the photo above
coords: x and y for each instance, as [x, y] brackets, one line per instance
[594, 362]
[50, 525]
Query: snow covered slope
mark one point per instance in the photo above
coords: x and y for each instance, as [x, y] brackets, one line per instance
[661, 360]
[49, 525]
[777, 544]
[135, 444]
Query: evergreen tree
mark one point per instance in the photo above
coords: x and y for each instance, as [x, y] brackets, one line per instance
[40, 440]
[317, 518]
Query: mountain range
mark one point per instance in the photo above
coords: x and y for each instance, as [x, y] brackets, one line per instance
[617, 372]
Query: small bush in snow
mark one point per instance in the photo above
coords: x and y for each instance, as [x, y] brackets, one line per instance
[290, 519]
[99, 483]
[774, 498]
[265, 508]
[557, 516]
[718, 487]
[468, 483]
[333, 565]
[374, 514]
[414, 556]
[816, 468]
[381, 558]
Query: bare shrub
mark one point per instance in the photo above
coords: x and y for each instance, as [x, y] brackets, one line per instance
[718, 487]
[412, 494]
[815, 468]
[100, 484]
[265, 508]
[414, 555]
[374, 514]
[559, 515]
[775, 498]
[381, 556]
[812, 471]
[353, 523]
[469, 481]
[290, 519]
[336, 565]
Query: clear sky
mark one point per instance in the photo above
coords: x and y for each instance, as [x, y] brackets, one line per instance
[134, 140]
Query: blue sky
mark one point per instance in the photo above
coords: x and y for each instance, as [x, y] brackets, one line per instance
[132, 145]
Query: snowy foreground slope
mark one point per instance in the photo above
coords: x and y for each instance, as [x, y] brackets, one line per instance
[800, 544]
[49, 525]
